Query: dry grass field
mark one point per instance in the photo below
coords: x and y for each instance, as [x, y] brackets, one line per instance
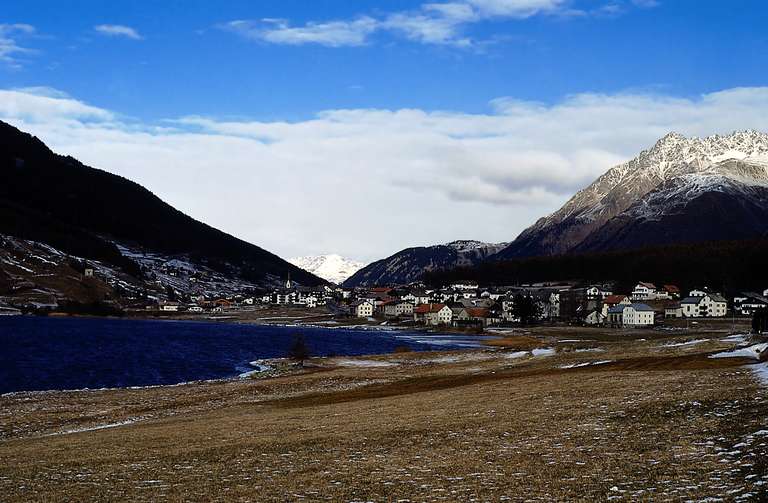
[585, 418]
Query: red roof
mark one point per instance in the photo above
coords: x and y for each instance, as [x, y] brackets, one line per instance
[614, 299]
[478, 312]
[671, 289]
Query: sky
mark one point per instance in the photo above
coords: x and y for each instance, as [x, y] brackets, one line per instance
[364, 127]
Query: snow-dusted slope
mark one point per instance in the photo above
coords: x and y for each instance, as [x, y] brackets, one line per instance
[333, 268]
[410, 264]
[679, 168]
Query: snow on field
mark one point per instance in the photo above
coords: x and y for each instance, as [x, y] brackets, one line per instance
[748, 352]
[365, 363]
[95, 428]
[761, 372]
[681, 344]
[736, 339]
[585, 364]
[543, 351]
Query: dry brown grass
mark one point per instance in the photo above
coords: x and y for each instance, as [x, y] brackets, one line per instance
[663, 425]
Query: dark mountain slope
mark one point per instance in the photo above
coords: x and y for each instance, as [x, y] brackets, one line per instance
[724, 211]
[410, 264]
[60, 201]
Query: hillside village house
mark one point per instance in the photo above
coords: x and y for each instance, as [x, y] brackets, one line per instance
[397, 308]
[361, 309]
[631, 316]
[596, 317]
[670, 292]
[417, 297]
[433, 314]
[709, 305]
[644, 291]
[748, 303]
[595, 292]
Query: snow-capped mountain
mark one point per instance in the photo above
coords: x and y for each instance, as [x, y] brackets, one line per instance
[410, 264]
[333, 268]
[680, 190]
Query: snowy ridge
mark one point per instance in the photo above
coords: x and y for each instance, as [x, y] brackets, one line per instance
[333, 268]
[679, 167]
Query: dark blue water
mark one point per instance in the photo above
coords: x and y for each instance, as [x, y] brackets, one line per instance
[74, 353]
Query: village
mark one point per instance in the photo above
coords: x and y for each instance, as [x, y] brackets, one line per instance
[467, 305]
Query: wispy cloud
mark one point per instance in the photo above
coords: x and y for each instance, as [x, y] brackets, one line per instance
[436, 23]
[10, 50]
[330, 34]
[118, 30]
[504, 168]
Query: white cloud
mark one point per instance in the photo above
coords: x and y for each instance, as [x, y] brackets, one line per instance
[331, 34]
[118, 30]
[438, 23]
[516, 8]
[10, 50]
[366, 182]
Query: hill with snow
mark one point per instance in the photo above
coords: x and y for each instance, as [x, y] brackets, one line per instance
[333, 268]
[680, 190]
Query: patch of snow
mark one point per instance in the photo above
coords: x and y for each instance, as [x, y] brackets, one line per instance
[365, 363]
[748, 352]
[543, 351]
[761, 372]
[585, 364]
[681, 344]
[95, 428]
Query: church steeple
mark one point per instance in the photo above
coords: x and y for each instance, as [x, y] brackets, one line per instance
[288, 283]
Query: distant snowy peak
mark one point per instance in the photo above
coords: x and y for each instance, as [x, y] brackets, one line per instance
[333, 268]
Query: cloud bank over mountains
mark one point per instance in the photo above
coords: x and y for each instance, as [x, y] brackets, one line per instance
[368, 182]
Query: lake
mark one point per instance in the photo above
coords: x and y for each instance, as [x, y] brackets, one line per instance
[38, 353]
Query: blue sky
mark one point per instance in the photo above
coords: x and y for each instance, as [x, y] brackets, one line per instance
[186, 63]
[497, 110]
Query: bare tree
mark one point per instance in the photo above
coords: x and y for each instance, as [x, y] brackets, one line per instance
[299, 350]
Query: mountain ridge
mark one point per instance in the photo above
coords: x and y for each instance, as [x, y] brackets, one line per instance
[741, 157]
[408, 265]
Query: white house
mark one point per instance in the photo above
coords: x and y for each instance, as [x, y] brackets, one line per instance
[595, 292]
[417, 297]
[310, 301]
[674, 310]
[709, 305]
[433, 314]
[748, 302]
[361, 309]
[644, 291]
[169, 307]
[397, 308]
[631, 315]
[595, 318]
